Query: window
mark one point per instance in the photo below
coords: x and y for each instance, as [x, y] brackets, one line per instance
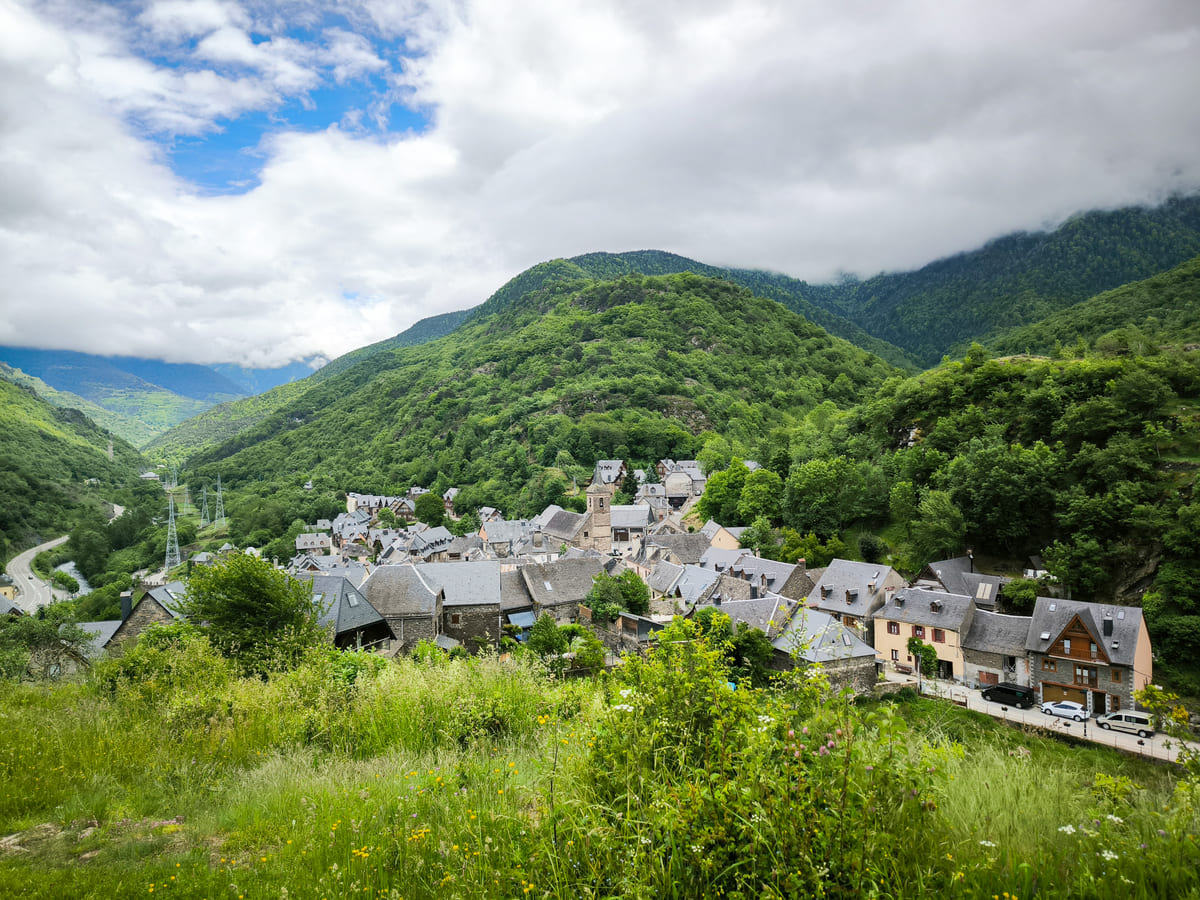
[895, 656]
[919, 631]
[1049, 665]
[1116, 676]
[939, 636]
[1067, 646]
[893, 627]
[455, 619]
[1093, 650]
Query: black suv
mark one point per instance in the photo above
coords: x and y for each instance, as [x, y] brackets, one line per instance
[1012, 694]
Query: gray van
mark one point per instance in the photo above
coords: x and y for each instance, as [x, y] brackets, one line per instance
[1130, 720]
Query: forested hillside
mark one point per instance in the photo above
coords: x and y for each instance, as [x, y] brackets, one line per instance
[533, 388]
[226, 420]
[131, 429]
[1134, 318]
[47, 457]
[1016, 279]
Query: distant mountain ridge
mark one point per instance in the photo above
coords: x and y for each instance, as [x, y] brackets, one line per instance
[141, 398]
[1016, 279]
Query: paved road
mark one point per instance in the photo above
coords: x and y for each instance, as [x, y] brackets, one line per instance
[1160, 746]
[32, 592]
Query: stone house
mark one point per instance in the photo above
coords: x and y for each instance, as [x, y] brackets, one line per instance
[559, 587]
[609, 471]
[853, 591]
[411, 606]
[159, 606]
[351, 621]
[994, 649]
[471, 604]
[630, 525]
[812, 637]
[1095, 654]
[320, 544]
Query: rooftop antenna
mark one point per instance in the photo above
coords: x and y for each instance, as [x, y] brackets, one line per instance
[173, 559]
[204, 507]
[220, 518]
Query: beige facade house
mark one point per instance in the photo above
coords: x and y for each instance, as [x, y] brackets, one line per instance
[936, 618]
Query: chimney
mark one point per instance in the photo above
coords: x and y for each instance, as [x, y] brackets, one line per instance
[126, 604]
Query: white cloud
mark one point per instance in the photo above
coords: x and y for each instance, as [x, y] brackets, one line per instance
[809, 138]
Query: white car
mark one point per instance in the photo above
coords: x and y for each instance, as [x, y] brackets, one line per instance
[1068, 709]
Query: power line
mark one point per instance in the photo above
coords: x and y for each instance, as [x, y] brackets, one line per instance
[173, 559]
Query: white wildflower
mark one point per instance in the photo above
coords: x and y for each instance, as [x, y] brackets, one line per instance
[626, 692]
[623, 707]
[1117, 819]
[986, 844]
[1067, 829]
[1108, 854]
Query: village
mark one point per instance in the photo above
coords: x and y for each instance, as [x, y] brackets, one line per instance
[386, 589]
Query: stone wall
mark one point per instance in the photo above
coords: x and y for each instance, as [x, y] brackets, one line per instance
[148, 612]
[409, 630]
[474, 623]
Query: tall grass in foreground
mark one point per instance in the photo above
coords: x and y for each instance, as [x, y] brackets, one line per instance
[352, 777]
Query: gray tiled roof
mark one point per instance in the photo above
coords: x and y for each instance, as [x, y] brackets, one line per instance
[514, 595]
[467, 583]
[397, 591]
[1052, 616]
[842, 576]
[935, 608]
[818, 637]
[565, 525]
[995, 633]
[169, 596]
[562, 581]
[344, 606]
[631, 516]
[102, 633]
[769, 614]
[957, 576]
[506, 532]
[686, 548]
[663, 577]
[694, 581]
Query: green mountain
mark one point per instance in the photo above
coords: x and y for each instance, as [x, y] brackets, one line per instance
[551, 373]
[127, 427]
[53, 464]
[1017, 279]
[791, 292]
[222, 422]
[1163, 310]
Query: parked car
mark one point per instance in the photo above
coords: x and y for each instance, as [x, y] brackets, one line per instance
[1068, 709]
[1013, 694]
[1130, 720]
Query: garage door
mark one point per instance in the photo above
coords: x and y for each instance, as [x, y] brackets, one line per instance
[986, 678]
[1063, 692]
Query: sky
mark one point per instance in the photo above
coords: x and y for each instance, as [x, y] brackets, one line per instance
[215, 181]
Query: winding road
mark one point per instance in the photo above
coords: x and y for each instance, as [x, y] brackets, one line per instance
[32, 592]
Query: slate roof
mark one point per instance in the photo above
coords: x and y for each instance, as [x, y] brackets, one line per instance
[768, 574]
[564, 524]
[102, 633]
[957, 577]
[720, 560]
[562, 581]
[514, 596]
[631, 516]
[312, 542]
[842, 575]
[995, 633]
[168, 596]
[917, 607]
[400, 591]
[693, 583]
[1052, 616]
[769, 614]
[608, 471]
[509, 532]
[663, 577]
[686, 548]
[7, 606]
[818, 637]
[345, 609]
[466, 543]
[467, 583]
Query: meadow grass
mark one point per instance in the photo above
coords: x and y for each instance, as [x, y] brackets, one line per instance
[483, 778]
